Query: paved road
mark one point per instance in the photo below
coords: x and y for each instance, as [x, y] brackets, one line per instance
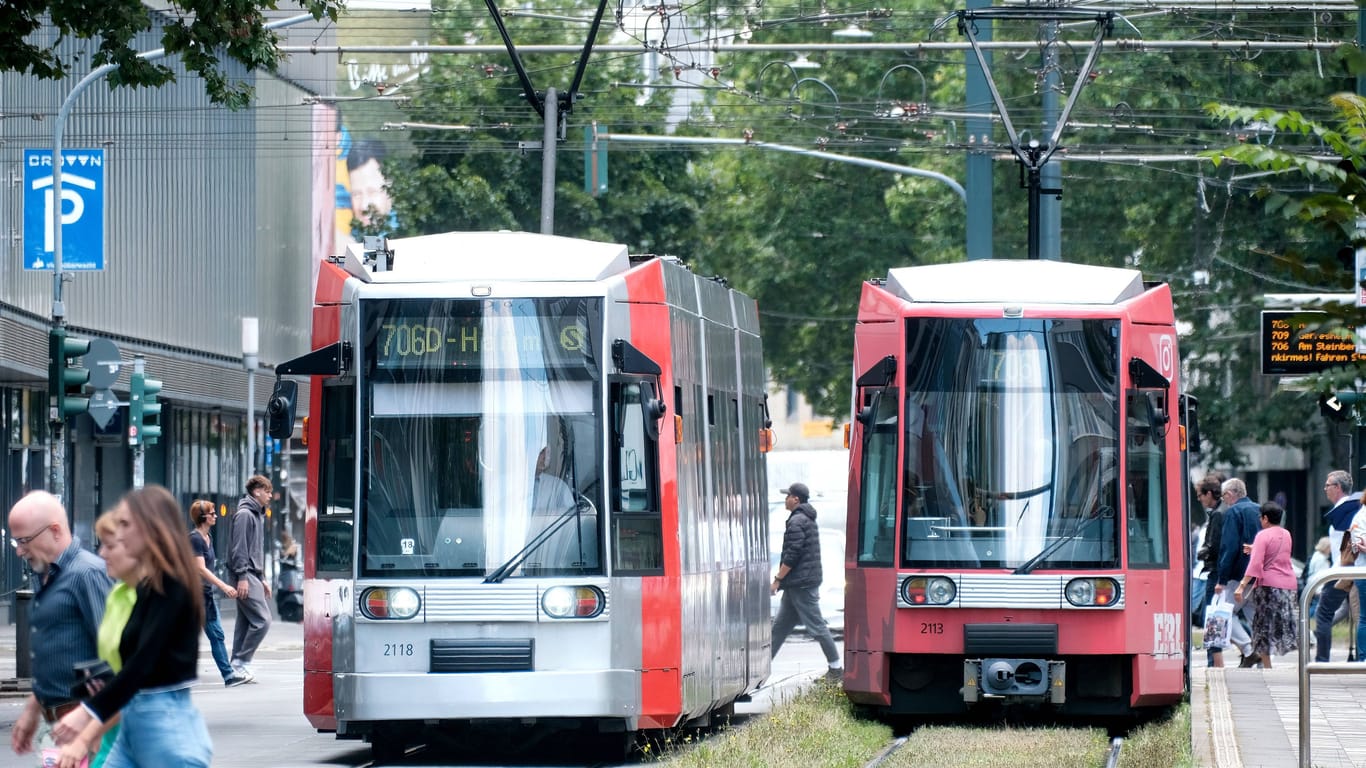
[260, 726]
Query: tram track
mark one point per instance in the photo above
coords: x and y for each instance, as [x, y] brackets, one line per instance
[1112, 754]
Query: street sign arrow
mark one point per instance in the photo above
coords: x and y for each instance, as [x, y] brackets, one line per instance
[104, 404]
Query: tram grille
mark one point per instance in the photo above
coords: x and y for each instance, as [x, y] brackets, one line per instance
[1010, 639]
[482, 655]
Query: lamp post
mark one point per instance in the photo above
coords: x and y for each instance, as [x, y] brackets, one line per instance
[251, 347]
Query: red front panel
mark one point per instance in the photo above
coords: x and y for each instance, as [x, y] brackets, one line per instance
[661, 695]
[318, 702]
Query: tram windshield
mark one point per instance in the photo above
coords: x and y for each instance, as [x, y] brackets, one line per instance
[1011, 443]
[482, 438]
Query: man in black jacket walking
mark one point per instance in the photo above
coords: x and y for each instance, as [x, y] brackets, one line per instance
[799, 578]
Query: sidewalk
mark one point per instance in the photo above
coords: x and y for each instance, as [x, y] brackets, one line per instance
[1250, 717]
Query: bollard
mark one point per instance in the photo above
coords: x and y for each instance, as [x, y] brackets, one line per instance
[22, 659]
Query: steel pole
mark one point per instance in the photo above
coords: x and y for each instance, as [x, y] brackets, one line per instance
[139, 467]
[552, 119]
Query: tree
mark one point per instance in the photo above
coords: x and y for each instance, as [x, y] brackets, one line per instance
[201, 32]
[1334, 203]
[476, 172]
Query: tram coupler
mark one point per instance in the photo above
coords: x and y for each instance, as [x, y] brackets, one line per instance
[1020, 679]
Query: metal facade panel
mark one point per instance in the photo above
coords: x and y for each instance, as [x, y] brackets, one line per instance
[714, 299]
[184, 247]
[680, 286]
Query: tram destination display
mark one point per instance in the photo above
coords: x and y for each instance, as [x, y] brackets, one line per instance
[1297, 342]
[470, 335]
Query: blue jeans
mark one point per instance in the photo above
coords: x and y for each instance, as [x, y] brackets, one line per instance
[161, 729]
[1198, 601]
[213, 629]
[1330, 597]
[1361, 624]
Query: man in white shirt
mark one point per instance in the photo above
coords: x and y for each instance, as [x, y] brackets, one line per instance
[1338, 488]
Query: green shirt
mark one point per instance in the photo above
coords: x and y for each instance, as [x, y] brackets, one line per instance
[117, 608]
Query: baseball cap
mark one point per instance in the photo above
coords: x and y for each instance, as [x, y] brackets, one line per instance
[799, 490]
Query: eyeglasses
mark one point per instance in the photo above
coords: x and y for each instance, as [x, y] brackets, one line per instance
[23, 541]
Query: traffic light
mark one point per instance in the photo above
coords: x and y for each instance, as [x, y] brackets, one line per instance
[144, 412]
[65, 378]
[1337, 406]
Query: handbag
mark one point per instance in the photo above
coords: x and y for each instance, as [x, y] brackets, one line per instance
[1349, 557]
[1218, 623]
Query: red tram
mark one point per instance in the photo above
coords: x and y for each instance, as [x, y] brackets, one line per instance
[536, 491]
[1017, 522]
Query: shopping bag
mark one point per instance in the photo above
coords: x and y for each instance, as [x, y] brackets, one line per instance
[1218, 623]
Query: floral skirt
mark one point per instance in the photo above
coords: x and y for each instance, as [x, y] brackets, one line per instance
[1275, 623]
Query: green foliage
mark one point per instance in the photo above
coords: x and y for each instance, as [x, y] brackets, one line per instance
[1335, 210]
[801, 234]
[201, 32]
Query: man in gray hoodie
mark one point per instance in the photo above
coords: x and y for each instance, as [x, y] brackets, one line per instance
[246, 563]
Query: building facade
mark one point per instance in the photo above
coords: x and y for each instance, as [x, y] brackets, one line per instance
[210, 216]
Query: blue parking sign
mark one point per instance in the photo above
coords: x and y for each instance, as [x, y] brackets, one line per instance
[81, 209]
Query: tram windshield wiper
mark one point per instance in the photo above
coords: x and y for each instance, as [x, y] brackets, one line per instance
[506, 569]
[1048, 551]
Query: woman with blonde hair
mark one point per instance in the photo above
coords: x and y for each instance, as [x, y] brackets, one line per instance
[160, 648]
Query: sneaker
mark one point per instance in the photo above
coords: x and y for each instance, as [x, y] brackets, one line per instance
[1250, 660]
[835, 674]
[234, 681]
[244, 672]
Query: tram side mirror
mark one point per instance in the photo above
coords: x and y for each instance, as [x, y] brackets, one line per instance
[1158, 418]
[1190, 407]
[651, 409]
[867, 415]
[280, 409]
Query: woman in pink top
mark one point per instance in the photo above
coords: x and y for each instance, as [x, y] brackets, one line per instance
[1273, 597]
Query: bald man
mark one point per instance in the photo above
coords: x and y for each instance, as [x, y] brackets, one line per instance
[69, 588]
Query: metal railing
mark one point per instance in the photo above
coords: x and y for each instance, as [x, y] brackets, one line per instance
[1308, 667]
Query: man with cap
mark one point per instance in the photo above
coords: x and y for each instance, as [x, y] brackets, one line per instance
[799, 578]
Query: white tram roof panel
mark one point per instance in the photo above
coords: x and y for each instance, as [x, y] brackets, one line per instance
[992, 281]
[490, 256]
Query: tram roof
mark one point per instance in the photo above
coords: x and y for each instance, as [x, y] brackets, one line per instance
[1015, 280]
[505, 256]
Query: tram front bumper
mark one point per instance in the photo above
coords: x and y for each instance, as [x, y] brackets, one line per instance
[487, 696]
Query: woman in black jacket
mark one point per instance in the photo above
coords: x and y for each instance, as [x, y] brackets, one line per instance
[160, 648]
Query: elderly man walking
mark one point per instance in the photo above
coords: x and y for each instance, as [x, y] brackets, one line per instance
[1242, 520]
[69, 589]
[1337, 487]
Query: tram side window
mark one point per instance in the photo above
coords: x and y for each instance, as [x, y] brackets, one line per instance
[1146, 513]
[877, 482]
[337, 480]
[637, 539]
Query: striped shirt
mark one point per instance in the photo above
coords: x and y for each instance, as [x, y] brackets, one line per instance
[64, 621]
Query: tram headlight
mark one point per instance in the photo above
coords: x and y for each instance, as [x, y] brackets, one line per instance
[1092, 592]
[928, 590]
[573, 602]
[390, 603]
